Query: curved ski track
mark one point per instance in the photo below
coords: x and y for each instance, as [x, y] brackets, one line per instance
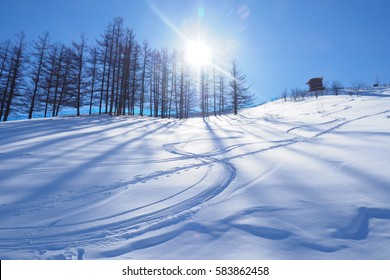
[131, 223]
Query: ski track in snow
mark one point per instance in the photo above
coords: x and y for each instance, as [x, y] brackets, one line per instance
[118, 226]
[170, 216]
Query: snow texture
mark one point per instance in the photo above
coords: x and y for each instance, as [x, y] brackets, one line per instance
[285, 180]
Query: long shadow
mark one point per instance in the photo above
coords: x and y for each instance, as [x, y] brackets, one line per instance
[97, 136]
[36, 128]
[76, 170]
[358, 228]
[214, 137]
[181, 207]
[79, 169]
[53, 127]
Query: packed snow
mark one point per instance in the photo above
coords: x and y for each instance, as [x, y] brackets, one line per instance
[286, 180]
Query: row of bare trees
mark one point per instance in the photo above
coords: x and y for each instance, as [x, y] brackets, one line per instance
[335, 88]
[115, 75]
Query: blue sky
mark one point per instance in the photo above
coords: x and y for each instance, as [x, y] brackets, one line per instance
[280, 44]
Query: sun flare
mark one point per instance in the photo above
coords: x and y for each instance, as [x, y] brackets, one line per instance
[198, 54]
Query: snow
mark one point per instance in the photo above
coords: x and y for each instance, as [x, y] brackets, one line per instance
[285, 180]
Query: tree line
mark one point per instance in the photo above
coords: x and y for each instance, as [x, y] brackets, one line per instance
[116, 75]
[335, 88]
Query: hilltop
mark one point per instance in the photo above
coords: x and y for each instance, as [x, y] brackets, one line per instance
[285, 180]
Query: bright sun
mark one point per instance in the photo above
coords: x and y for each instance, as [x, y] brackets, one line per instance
[198, 54]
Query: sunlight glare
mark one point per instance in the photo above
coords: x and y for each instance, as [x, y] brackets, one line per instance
[197, 53]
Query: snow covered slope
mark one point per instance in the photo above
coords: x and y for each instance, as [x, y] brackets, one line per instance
[286, 180]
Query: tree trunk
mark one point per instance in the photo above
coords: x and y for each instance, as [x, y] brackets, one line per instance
[41, 49]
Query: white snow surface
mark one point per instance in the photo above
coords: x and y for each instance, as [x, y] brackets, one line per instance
[285, 180]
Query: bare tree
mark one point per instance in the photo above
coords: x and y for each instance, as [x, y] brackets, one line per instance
[325, 87]
[15, 75]
[134, 76]
[4, 55]
[5, 77]
[117, 34]
[93, 75]
[190, 94]
[302, 93]
[109, 44]
[173, 92]
[50, 77]
[5, 58]
[65, 78]
[164, 81]
[294, 93]
[145, 63]
[155, 83]
[215, 96]
[239, 88]
[118, 78]
[284, 95]
[182, 87]
[206, 88]
[38, 54]
[336, 87]
[222, 93]
[357, 86]
[123, 73]
[103, 49]
[79, 49]
[57, 76]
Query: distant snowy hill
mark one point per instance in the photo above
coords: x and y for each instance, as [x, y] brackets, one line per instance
[286, 180]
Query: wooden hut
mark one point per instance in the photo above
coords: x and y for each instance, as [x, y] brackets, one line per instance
[315, 84]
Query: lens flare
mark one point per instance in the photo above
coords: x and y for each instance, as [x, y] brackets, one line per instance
[198, 53]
